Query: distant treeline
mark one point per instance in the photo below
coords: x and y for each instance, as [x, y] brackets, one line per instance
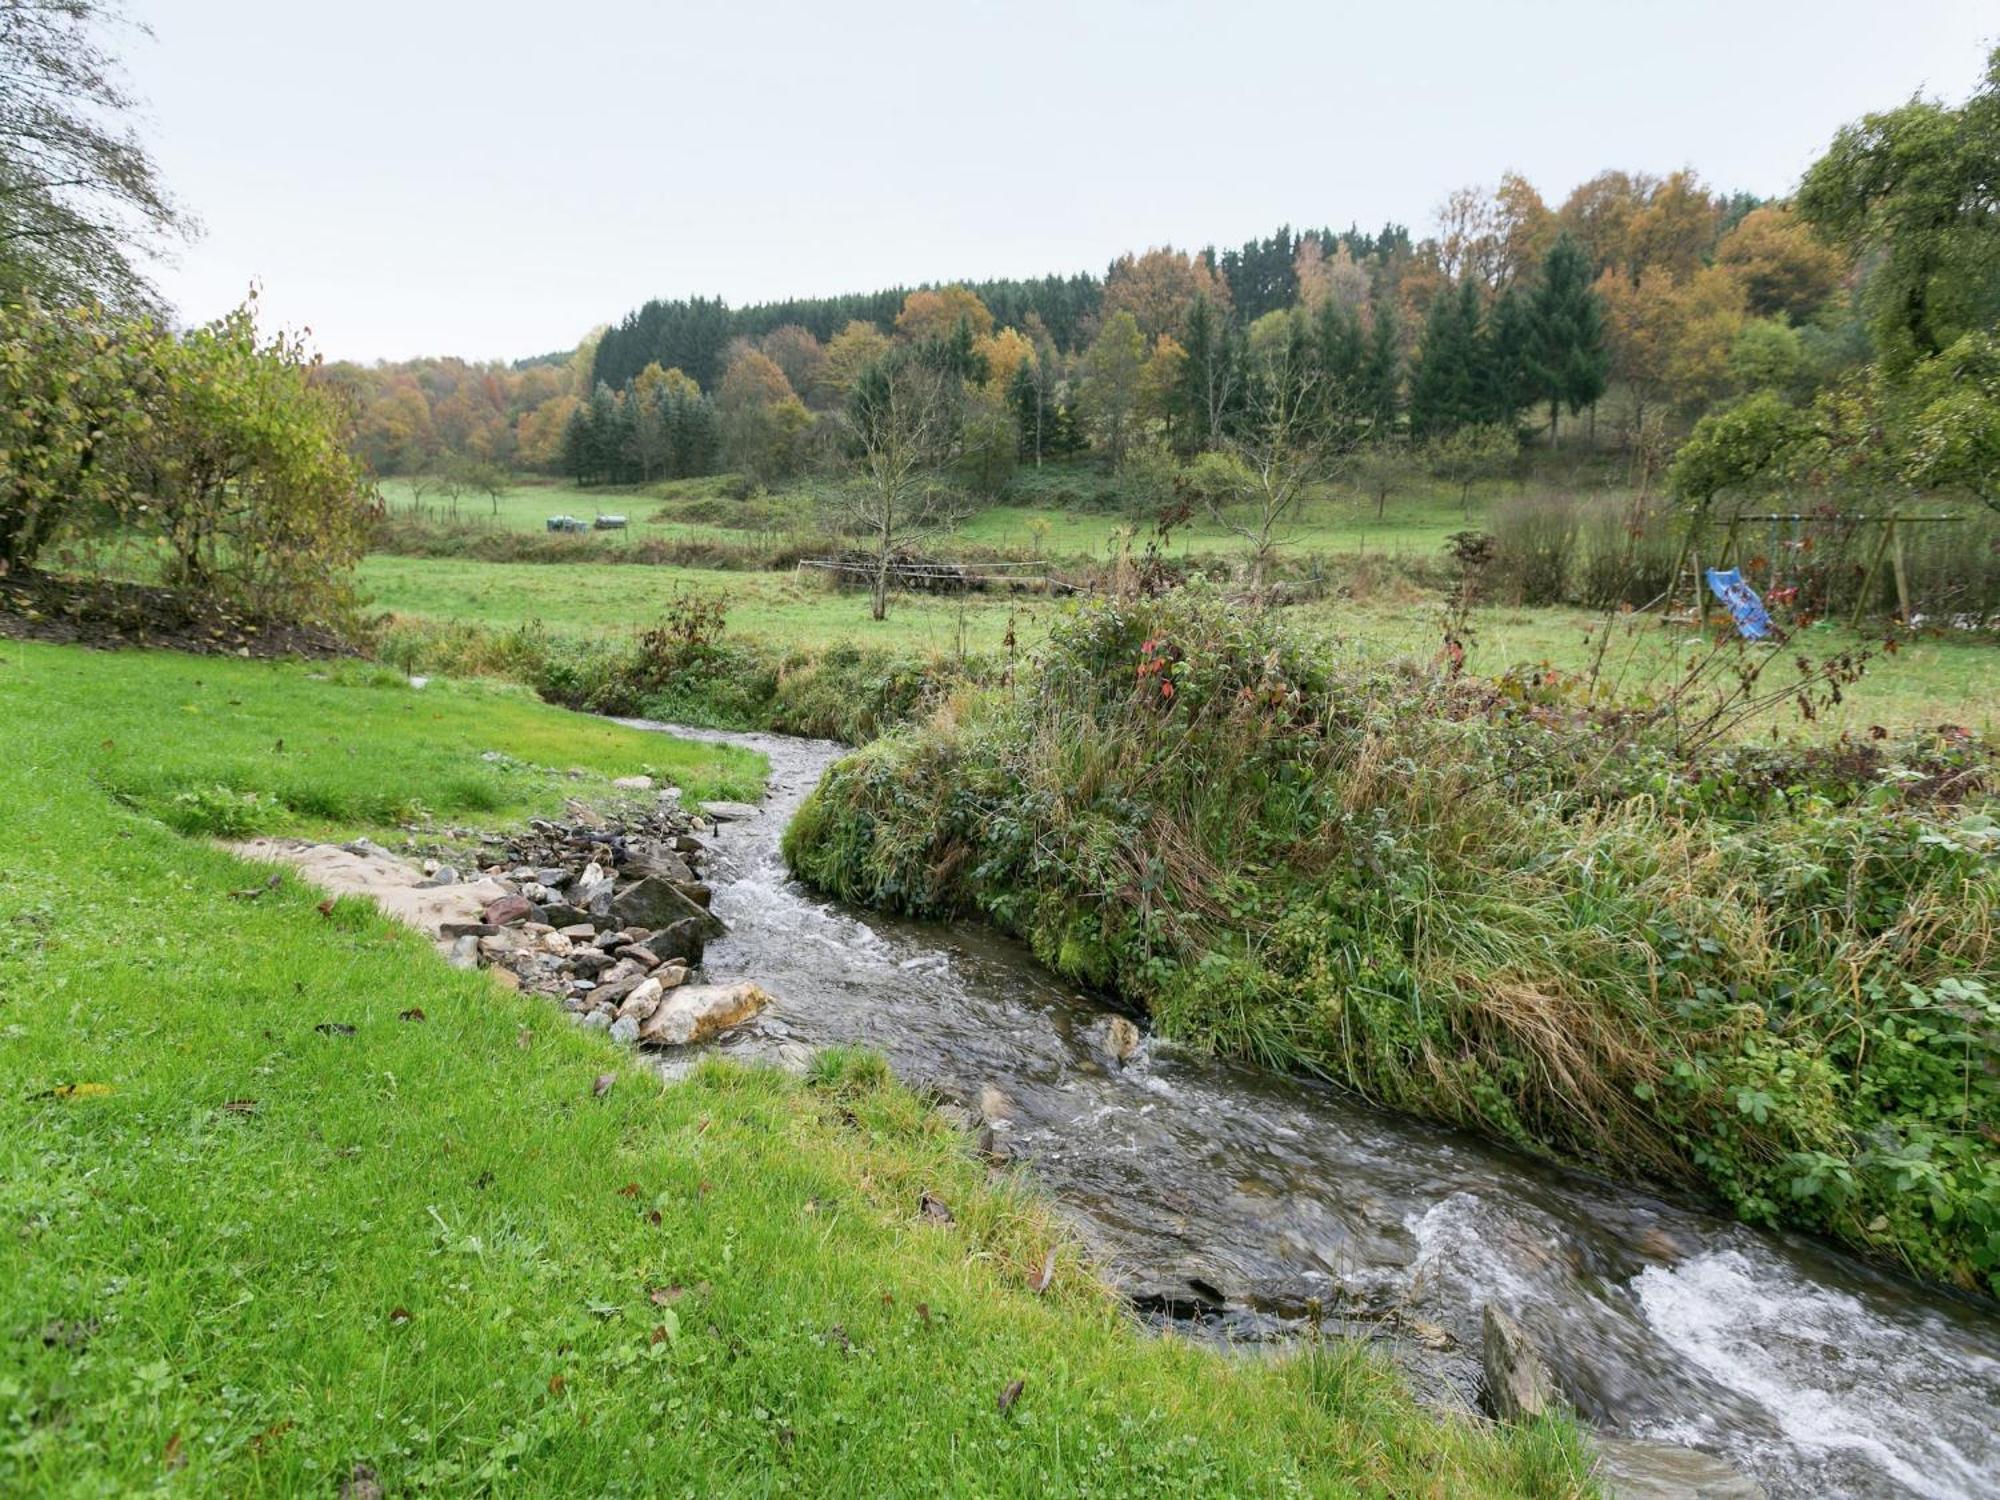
[694, 334]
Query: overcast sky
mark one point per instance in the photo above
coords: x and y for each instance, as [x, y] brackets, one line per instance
[418, 177]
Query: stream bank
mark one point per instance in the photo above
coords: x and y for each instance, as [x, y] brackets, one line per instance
[1246, 1206]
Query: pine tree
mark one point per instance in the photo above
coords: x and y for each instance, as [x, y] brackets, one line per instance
[600, 454]
[1211, 378]
[1566, 358]
[1508, 381]
[1447, 385]
[576, 445]
[1381, 372]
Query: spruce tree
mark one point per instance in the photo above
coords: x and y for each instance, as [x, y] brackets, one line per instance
[1211, 377]
[1508, 381]
[1447, 385]
[1566, 360]
[1381, 372]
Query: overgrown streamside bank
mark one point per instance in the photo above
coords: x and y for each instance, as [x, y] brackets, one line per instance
[296, 1208]
[683, 671]
[1765, 973]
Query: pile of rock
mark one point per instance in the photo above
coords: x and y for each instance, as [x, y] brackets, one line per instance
[611, 916]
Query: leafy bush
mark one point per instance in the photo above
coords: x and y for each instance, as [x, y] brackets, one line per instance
[224, 449]
[1767, 973]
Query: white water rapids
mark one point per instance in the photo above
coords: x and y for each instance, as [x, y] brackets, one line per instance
[1239, 1205]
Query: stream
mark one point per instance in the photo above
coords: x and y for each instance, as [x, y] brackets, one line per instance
[1237, 1205]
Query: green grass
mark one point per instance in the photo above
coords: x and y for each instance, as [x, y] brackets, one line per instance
[1040, 523]
[1931, 680]
[245, 1254]
[781, 608]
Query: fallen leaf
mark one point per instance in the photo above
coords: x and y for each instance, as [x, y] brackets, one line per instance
[924, 1313]
[76, 1091]
[556, 1384]
[630, 1190]
[662, 1295]
[1010, 1395]
[1048, 1273]
[175, 1456]
[399, 1315]
[601, 1085]
[270, 1435]
[325, 908]
[653, 1218]
[414, 1013]
[934, 1209]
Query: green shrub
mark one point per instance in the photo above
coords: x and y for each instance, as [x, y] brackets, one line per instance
[1768, 973]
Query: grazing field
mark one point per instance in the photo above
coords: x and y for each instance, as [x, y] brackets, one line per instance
[1045, 519]
[295, 1208]
[783, 608]
[1931, 679]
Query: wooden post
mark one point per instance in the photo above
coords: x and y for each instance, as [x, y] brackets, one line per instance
[1902, 578]
[1729, 542]
[1874, 568]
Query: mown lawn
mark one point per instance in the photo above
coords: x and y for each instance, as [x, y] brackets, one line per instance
[290, 1201]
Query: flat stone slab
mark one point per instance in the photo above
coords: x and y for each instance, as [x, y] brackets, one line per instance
[731, 812]
[396, 885]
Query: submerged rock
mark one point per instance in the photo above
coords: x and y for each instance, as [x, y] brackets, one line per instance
[1659, 1471]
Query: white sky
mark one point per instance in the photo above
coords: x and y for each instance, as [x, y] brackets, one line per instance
[490, 179]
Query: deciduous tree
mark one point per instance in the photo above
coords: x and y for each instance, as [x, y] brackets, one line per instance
[905, 427]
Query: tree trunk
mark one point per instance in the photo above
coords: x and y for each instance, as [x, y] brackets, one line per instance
[1555, 412]
[878, 607]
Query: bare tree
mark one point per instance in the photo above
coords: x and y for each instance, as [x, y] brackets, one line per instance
[1291, 437]
[907, 425]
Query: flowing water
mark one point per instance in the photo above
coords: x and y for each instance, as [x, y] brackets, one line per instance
[1245, 1206]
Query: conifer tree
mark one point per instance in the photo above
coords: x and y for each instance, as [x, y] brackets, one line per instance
[1381, 372]
[1509, 382]
[1566, 358]
[1447, 385]
[1211, 377]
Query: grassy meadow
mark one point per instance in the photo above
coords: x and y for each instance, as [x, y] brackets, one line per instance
[296, 1206]
[1367, 605]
